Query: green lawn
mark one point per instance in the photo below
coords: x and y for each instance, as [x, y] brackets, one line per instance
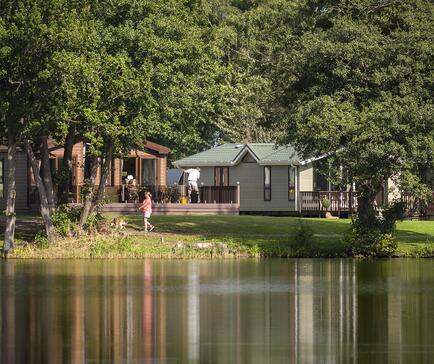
[412, 236]
[240, 235]
[258, 228]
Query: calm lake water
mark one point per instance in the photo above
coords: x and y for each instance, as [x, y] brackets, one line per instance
[274, 311]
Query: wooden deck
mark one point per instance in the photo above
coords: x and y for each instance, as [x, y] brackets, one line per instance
[177, 208]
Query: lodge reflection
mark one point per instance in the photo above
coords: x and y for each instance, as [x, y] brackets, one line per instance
[202, 311]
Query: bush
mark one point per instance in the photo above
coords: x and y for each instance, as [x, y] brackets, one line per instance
[303, 235]
[371, 243]
[96, 223]
[41, 240]
[391, 215]
[65, 220]
[326, 203]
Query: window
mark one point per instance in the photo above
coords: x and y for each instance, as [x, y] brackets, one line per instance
[320, 174]
[149, 172]
[291, 183]
[221, 176]
[2, 177]
[129, 167]
[267, 183]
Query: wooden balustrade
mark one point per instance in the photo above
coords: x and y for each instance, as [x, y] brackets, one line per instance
[219, 194]
[339, 201]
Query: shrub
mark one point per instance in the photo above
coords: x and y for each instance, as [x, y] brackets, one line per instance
[326, 203]
[96, 223]
[371, 242]
[41, 240]
[391, 215]
[303, 235]
[65, 220]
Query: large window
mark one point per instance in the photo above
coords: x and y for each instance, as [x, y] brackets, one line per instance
[149, 172]
[267, 183]
[320, 174]
[2, 178]
[129, 167]
[291, 183]
[221, 176]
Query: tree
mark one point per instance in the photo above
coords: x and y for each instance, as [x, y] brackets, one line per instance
[34, 37]
[357, 81]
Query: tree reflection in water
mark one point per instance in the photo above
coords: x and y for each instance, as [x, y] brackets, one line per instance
[252, 311]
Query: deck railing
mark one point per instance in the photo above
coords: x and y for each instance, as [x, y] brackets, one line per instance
[414, 206]
[312, 201]
[218, 194]
[207, 194]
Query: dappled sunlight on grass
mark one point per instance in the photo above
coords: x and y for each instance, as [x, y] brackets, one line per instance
[186, 224]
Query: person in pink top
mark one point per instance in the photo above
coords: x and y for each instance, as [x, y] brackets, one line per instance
[146, 209]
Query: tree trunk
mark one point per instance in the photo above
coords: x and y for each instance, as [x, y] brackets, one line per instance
[10, 198]
[366, 207]
[45, 208]
[46, 174]
[66, 166]
[87, 203]
[105, 168]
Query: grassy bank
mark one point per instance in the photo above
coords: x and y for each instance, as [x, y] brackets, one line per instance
[225, 236]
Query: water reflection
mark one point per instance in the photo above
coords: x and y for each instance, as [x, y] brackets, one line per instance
[297, 311]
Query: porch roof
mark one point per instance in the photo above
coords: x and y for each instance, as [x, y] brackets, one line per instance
[147, 145]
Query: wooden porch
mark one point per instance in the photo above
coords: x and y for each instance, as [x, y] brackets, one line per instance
[167, 201]
[312, 203]
[177, 208]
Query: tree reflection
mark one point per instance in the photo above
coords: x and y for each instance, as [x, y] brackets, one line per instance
[207, 311]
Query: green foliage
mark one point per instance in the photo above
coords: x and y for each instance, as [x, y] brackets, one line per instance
[391, 215]
[356, 79]
[96, 222]
[371, 243]
[303, 235]
[326, 203]
[41, 240]
[378, 239]
[65, 220]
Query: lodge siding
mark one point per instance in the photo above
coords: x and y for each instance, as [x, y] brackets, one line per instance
[21, 181]
[251, 179]
[306, 177]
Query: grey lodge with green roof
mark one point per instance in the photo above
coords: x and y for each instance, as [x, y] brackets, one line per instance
[271, 178]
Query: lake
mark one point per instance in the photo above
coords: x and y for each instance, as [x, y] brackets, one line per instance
[221, 311]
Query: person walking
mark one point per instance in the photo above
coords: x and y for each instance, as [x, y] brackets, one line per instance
[146, 209]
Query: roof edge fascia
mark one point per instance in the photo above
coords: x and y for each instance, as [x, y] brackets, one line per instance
[185, 164]
[313, 159]
[277, 163]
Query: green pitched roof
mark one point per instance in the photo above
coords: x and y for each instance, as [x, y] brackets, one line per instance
[220, 155]
[280, 154]
[229, 154]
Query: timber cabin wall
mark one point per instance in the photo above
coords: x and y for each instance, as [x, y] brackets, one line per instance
[115, 176]
[22, 181]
